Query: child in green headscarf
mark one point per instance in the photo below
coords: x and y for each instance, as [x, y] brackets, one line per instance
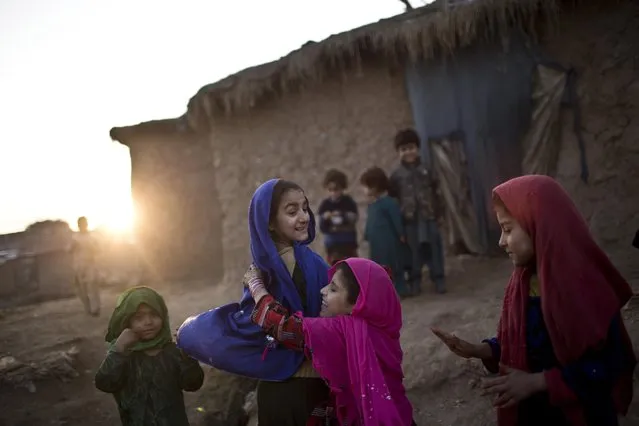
[143, 369]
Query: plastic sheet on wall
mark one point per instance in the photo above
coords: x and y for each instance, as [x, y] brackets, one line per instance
[450, 165]
[484, 92]
[541, 144]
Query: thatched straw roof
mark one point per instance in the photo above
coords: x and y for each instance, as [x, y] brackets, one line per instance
[149, 129]
[419, 34]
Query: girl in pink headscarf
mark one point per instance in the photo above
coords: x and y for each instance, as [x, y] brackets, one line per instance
[354, 345]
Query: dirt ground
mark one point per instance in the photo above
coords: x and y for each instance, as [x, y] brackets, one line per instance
[441, 386]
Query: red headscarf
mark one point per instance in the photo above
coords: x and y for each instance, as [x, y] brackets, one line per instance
[581, 290]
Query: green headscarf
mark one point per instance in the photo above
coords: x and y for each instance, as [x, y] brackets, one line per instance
[127, 305]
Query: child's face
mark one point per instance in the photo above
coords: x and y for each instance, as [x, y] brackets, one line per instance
[291, 220]
[408, 153]
[335, 297]
[370, 193]
[146, 323]
[514, 239]
[334, 191]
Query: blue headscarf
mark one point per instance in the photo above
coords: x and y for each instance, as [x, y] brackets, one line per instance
[226, 338]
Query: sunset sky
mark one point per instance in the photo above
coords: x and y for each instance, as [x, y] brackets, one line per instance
[72, 69]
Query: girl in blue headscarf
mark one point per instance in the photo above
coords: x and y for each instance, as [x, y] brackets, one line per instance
[281, 227]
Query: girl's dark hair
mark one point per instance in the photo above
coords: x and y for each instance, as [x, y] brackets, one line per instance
[375, 178]
[337, 177]
[406, 137]
[350, 282]
[281, 187]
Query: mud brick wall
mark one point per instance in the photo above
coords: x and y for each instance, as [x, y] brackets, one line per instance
[348, 124]
[177, 212]
[602, 44]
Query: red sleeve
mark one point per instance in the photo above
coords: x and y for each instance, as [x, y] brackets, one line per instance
[558, 391]
[278, 323]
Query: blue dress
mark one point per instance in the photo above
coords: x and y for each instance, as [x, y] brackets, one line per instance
[383, 232]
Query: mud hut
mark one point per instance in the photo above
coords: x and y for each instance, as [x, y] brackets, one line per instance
[493, 73]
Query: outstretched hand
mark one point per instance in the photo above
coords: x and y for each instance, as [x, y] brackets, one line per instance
[513, 386]
[456, 345]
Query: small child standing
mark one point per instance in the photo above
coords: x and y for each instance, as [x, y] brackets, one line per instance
[338, 215]
[384, 231]
[143, 369]
[414, 186]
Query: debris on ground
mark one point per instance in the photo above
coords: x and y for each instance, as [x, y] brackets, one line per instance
[250, 408]
[222, 399]
[59, 365]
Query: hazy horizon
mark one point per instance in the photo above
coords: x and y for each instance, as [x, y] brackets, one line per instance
[73, 70]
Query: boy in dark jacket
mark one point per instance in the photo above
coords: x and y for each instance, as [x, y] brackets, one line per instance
[414, 186]
[338, 217]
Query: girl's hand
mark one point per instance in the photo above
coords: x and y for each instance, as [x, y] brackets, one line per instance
[253, 280]
[125, 340]
[251, 274]
[513, 387]
[456, 345]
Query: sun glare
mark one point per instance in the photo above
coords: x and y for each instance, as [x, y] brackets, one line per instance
[119, 222]
[109, 205]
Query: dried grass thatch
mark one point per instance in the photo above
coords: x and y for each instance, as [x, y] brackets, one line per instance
[149, 129]
[416, 35]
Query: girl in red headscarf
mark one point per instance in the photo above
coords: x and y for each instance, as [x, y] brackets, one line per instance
[562, 351]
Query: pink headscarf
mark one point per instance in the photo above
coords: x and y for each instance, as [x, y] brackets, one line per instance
[359, 355]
